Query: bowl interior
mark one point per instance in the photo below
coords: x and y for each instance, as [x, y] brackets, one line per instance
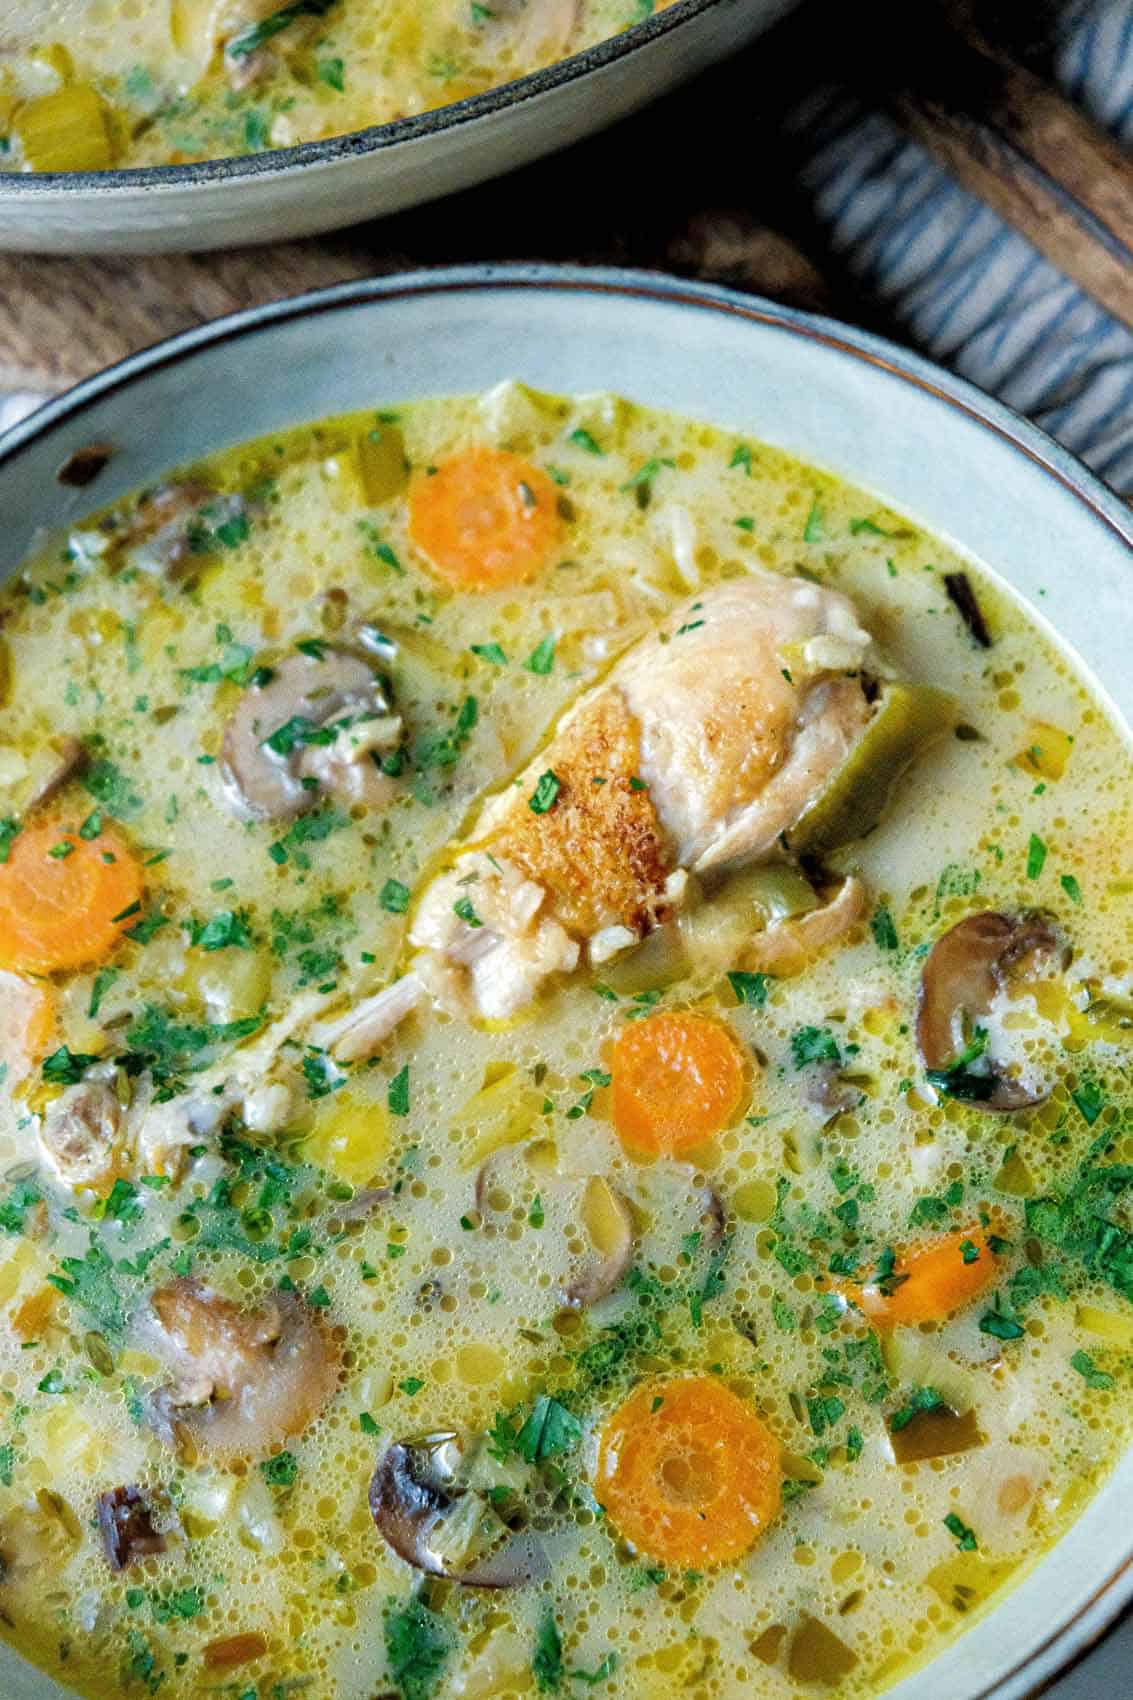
[926, 443]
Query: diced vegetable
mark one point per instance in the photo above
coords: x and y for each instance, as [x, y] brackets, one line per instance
[65, 131]
[906, 718]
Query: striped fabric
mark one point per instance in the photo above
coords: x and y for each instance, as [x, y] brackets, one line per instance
[960, 284]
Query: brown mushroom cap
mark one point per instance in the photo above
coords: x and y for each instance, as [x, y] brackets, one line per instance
[419, 1502]
[263, 784]
[125, 1521]
[248, 1379]
[965, 971]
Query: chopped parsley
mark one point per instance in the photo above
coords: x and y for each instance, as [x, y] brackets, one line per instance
[542, 657]
[394, 897]
[397, 1095]
[964, 1537]
[281, 1470]
[1036, 856]
[918, 1401]
[542, 799]
[883, 930]
[418, 1644]
[814, 1044]
[750, 988]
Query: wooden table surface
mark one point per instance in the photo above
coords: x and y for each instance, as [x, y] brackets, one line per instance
[699, 184]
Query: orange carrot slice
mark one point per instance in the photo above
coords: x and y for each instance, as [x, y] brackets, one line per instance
[931, 1282]
[678, 1079]
[64, 899]
[688, 1473]
[484, 519]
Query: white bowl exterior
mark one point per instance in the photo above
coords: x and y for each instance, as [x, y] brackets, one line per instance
[925, 443]
[228, 207]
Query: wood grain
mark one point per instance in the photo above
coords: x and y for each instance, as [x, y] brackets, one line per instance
[61, 320]
[1011, 139]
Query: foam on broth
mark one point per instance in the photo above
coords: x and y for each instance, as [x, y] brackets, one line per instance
[446, 1318]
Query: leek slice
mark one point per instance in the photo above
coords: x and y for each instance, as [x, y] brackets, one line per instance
[906, 718]
[66, 131]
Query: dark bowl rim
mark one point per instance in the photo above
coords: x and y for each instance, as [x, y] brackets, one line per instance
[373, 139]
[1101, 1613]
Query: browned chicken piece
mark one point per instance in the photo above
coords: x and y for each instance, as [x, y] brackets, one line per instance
[706, 743]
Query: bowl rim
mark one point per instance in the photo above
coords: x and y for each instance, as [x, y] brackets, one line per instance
[1113, 1597]
[371, 139]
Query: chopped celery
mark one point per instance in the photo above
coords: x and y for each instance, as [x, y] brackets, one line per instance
[66, 131]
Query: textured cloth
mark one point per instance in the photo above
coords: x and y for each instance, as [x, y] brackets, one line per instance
[960, 284]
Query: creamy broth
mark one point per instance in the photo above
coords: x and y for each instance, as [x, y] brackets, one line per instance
[453, 1220]
[88, 85]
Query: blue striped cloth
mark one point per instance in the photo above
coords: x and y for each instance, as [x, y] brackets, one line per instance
[960, 284]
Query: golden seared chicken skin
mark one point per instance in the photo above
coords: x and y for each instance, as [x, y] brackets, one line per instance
[702, 748]
[707, 742]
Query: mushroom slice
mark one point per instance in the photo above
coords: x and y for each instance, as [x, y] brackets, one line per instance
[248, 1379]
[315, 726]
[828, 1094]
[69, 757]
[587, 1224]
[427, 1510]
[125, 1521]
[966, 970]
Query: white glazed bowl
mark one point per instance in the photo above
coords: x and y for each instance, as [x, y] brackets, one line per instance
[325, 185]
[922, 441]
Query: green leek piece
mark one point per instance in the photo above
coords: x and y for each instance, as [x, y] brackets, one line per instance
[66, 131]
[905, 719]
[383, 470]
[713, 931]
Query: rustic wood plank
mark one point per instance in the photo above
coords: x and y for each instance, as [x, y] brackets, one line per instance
[1011, 139]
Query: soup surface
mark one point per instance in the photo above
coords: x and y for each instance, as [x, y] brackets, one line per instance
[87, 85]
[530, 1166]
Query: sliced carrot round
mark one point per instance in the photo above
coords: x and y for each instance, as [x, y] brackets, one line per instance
[64, 899]
[678, 1079]
[688, 1473]
[931, 1282]
[485, 518]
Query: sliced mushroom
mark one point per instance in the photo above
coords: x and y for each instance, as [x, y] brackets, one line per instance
[966, 970]
[81, 1134]
[315, 726]
[125, 1521]
[71, 755]
[432, 1516]
[589, 1244]
[248, 1379]
[828, 1093]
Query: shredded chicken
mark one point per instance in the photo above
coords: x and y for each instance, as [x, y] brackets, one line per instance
[81, 1135]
